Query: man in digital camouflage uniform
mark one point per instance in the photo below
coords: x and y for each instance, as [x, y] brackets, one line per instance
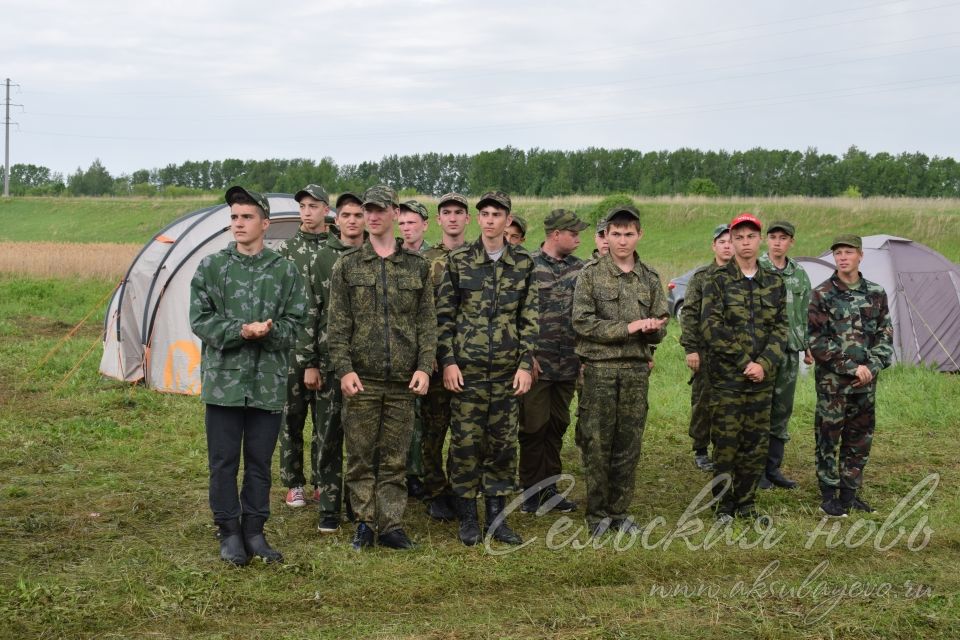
[382, 335]
[600, 240]
[691, 339]
[453, 216]
[301, 249]
[545, 410]
[413, 221]
[619, 314]
[851, 339]
[780, 236]
[313, 356]
[745, 331]
[246, 305]
[487, 319]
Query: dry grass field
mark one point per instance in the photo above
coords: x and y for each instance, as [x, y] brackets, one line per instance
[100, 260]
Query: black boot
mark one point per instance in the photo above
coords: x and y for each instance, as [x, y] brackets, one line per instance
[231, 543]
[774, 460]
[469, 521]
[255, 543]
[846, 496]
[497, 526]
[827, 492]
[441, 508]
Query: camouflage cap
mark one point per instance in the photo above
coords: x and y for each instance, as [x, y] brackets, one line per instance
[745, 218]
[453, 197]
[563, 220]
[630, 211]
[348, 195]
[720, 229]
[258, 198]
[520, 222]
[497, 197]
[380, 196]
[414, 207]
[847, 240]
[782, 225]
[601, 226]
[315, 191]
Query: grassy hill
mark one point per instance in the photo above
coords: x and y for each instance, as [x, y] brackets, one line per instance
[676, 230]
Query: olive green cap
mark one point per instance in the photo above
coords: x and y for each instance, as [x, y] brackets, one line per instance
[847, 240]
[520, 222]
[499, 197]
[453, 197]
[258, 198]
[381, 196]
[348, 195]
[563, 220]
[414, 207]
[630, 211]
[720, 230]
[315, 191]
[782, 225]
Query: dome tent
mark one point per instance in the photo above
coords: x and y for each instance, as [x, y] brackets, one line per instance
[147, 335]
[923, 293]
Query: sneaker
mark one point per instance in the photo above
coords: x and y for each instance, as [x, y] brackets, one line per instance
[600, 528]
[627, 526]
[329, 523]
[295, 497]
[553, 500]
[703, 462]
[764, 483]
[531, 503]
[363, 538]
[396, 539]
[860, 505]
[834, 509]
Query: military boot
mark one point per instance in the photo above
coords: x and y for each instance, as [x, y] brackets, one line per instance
[231, 543]
[469, 521]
[256, 543]
[773, 475]
[502, 531]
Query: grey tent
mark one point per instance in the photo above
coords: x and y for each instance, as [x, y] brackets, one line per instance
[923, 291]
[147, 335]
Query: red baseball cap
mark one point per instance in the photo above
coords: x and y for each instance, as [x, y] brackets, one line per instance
[745, 218]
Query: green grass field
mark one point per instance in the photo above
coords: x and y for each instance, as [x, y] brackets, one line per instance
[105, 530]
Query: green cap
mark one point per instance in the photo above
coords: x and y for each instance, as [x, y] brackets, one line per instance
[630, 211]
[601, 226]
[520, 222]
[414, 207]
[782, 225]
[348, 195]
[315, 191]
[563, 220]
[236, 192]
[453, 197]
[720, 230]
[380, 196]
[847, 240]
[498, 197]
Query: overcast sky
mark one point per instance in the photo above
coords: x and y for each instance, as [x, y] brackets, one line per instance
[141, 84]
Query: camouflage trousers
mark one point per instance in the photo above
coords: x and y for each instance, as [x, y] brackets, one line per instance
[844, 421]
[544, 418]
[377, 423]
[328, 477]
[611, 418]
[435, 414]
[699, 430]
[300, 402]
[740, 431]
[414, 454]
[784, 388]
[483, 439]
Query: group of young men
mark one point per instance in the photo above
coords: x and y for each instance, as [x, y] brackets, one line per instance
[391, 344]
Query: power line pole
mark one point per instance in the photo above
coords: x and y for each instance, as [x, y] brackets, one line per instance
[6, 146]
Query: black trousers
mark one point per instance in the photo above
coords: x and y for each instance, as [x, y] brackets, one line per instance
[232, 431]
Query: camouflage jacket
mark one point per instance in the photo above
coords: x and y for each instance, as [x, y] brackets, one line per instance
[691, 328]
[228, 290]
[849, 326]
[487, 313]
[605, 301]
[312, 351]
[382, 321]
[301, 248]
[744, 320]
[797, 282]
[555, 349]
[437, 257]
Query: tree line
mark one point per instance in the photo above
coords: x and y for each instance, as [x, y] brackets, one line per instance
[535, 172]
